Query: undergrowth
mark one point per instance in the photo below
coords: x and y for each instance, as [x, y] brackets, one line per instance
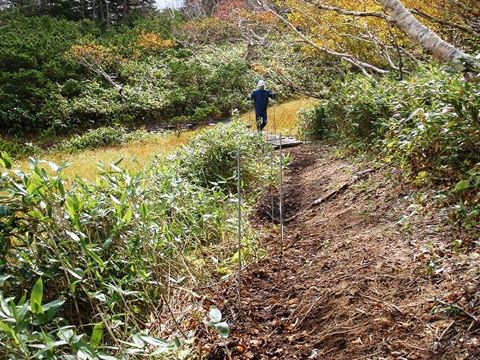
[102, 137]
[428, 125]
[85, 267]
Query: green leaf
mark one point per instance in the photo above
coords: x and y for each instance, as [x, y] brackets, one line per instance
[222, 328]
[153, 341]
[97, 334]
[127, 217]
[462, 186]
[52, 308]
[53, 305]
[66, 334]
[97, 258]
[5, 328]
[4, 278]
[36, 297]
[73, 236]
[5, 309]
[6, 160]
[215, 315]
[144, 211]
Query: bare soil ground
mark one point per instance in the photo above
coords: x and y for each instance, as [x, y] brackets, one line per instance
[361, 276]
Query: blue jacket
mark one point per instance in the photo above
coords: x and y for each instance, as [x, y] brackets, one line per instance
[260, 99]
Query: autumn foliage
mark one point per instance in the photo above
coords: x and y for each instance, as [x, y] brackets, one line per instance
[153, 42]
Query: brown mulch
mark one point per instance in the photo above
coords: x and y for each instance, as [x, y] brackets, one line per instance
[358, 278]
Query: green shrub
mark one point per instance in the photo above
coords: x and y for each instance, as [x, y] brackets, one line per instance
[351, 112]
[17, 149]
[106, 251]
[102, 137]
[314, 123]
[429, 122]
[211, 158]
[428, 125]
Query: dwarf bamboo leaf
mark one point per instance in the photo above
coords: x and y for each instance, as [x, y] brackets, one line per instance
[144, 211]
[215, 315]
[223, 329]
[36, 297]
[4, 277]
[73, 236]
[6, 160]
[5, 328]
[97, 334]
[52, 308]
[153, 341]
[462, 186]
[127, 217]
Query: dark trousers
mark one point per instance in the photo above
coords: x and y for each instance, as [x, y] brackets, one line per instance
[261, 119]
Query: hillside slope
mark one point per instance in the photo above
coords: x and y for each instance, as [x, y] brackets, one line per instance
[361, 276]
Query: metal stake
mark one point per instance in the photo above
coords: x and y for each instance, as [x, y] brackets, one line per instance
[239, 276]
[274, 119]
[271, 196]
[280, 205]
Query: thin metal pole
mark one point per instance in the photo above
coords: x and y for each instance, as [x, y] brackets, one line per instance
[274, 119]
[271, 196]
[280, 205]
[239, 275]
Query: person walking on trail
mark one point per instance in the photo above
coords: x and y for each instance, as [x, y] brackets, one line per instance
[260, 99]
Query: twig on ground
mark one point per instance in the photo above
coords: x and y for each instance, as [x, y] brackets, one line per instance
[383, 302]
[436, 344]
[470, 315]
[357, 177]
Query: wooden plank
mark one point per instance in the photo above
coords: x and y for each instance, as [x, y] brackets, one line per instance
[286, 143]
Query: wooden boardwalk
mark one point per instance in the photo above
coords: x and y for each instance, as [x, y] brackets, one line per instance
[287, 142]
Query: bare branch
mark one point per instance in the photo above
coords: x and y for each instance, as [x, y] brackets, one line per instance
[363, 66]
[465, 28]
[97, 69]
[353, 13]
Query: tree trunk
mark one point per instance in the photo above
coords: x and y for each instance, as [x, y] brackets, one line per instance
[430, 41]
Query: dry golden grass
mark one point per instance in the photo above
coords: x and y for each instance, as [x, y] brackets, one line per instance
[282, 118]
[135, 155]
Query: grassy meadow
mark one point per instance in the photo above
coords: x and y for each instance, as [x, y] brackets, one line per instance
[135, 155]
[283, 118]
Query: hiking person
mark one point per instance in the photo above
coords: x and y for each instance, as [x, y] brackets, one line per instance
[260, 99]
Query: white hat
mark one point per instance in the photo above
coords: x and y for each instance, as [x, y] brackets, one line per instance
[261, 83]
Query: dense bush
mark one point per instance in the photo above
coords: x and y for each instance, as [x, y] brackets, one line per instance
[102, 137]
[48, 77]
[31, 65]
[105, 251]
[16, 148]
[428, 124]
[210, 158]
[352, 111]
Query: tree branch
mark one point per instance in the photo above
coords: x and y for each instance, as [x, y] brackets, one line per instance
[465, 28]
[108, 78]
[353, 13]
[363, 66]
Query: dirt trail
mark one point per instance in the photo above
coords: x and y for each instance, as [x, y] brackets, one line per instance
[351, 283]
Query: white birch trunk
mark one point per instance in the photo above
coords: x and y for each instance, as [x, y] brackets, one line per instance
[421, 34]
